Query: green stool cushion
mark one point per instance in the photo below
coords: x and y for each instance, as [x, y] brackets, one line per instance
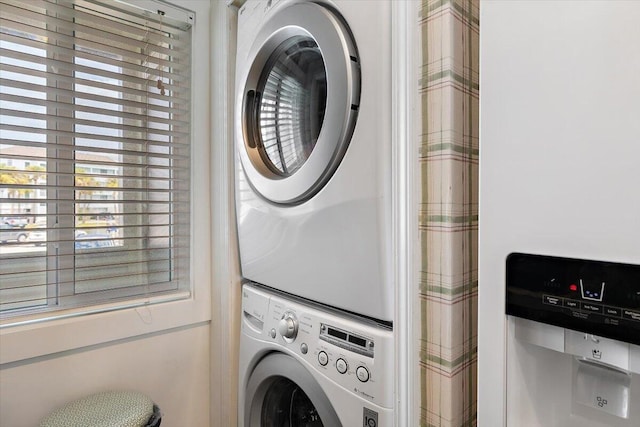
[108, 409]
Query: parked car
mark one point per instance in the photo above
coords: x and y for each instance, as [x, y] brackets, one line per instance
[15, 221]
[94, 241]
[12, 232]
[37, 234]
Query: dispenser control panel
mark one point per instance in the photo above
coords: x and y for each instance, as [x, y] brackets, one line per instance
[595, 297]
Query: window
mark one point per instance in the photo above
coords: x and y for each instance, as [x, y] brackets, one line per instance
[94, 153]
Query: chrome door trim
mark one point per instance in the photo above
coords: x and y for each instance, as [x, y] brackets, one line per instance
[343, 97]
[276, 365]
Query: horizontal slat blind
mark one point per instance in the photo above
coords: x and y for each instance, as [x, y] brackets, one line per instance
[94, 154]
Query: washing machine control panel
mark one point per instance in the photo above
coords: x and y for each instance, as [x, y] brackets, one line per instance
[356, 355]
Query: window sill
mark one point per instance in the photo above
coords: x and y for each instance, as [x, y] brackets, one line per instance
[31, 337]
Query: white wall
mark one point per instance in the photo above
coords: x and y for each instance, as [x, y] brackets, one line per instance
[559, 174]
[171, 367]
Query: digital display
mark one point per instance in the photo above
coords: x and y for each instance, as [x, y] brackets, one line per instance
[337, 334]
[346, 340]
[596, 297]
[358, 341]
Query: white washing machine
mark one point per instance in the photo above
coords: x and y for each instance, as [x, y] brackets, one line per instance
[305, 365]
[312, 131]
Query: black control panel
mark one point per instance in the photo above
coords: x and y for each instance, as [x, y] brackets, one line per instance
[596, 297]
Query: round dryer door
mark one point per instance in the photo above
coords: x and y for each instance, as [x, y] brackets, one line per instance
[299, 103]
[282, 393]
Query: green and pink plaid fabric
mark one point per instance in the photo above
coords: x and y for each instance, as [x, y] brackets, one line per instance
[449, 93]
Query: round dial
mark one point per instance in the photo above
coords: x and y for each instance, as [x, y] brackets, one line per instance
[288, 327]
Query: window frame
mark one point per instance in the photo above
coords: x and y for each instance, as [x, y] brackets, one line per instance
[147, 252]
[39, 334]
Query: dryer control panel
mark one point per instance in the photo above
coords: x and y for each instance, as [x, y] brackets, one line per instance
[595, 297]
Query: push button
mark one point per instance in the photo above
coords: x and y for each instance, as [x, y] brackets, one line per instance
[341, 366]
[362, 373]
[323, 359]
[592, 308]
[551, 300]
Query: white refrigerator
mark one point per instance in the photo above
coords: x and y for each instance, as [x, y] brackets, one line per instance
[559, 246]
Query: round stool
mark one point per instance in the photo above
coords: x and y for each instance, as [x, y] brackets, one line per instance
[108, 409]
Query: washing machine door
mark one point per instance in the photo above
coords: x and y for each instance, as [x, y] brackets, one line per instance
[283, 393]
[298, 105]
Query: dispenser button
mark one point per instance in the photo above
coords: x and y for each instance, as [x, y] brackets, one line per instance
[342, 366]
[272, 332]
[591, 308]
[569, 303]
[362, 373]
[552, 300]
[597, 348]
[613, 311]
[602, 388]
[304, 348]
[631, 315]
[323, 359]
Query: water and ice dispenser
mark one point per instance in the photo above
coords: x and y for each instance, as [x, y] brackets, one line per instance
[588, 313]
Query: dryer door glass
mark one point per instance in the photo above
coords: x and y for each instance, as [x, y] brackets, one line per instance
[286, 404]
[297, 103]
[293, 90]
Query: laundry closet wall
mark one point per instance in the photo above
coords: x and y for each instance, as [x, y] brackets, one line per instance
[449, 94]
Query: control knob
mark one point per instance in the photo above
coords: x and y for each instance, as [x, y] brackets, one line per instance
[288, 327]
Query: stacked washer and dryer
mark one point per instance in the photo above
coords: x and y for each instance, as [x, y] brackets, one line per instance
[312, 130]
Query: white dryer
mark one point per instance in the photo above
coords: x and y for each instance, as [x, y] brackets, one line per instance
[303, 365]
[313, 144]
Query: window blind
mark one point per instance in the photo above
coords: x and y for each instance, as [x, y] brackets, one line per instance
[94, 153]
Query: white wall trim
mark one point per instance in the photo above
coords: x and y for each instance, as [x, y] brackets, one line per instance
[225, 330]
[405, 181]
